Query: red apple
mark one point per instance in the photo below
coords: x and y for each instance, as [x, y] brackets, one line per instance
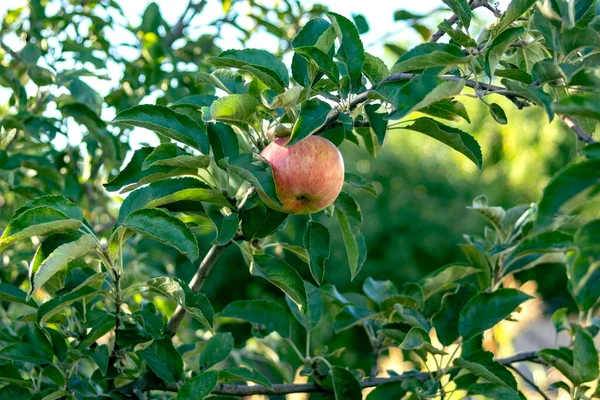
[308, 175]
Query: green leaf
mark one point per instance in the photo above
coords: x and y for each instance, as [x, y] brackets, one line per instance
[34, 348]
[411, 295]
[299, 251]
[418, 339]
[585, 105]
[309, 35]
[260, 63]
[486, 359]
[196, 304]
[591, 151]
[533, 260]
[196, 100]
[560, 319]
[349, 217]
[457, 34]
[13, 294]
[405, 94]
[318, 245]
[289, 98]
[361, 23]
[547, 71]
[57, 304]
[227, 80]
[533, 94]
[60, 257]
[545, 242]
[168, 123]
[256, 170]
[439, 92]
[351, 50]
[455, 138]
[46, 248]
[244, 374]
[585, 356]
[378, 123]
[374, 69]
[223, 141]
[335, 135]
[564, 186]
[498, 114]
[345, 384]
[388, 390]
[487, 309]
[40, 76]
[227, 231]
[199, 387]
[403, 15]
[9, 79]
[562, 360]
[161, 226]
[370, 140]
[493, 214]
[321, 61]
[583, 269]
[271, 316]
[479, 259]
[216, 349]
[410, 316]
[448, 109]
[312, 316]
[162, 152]
[282, 275]
[181, 161]
[461, 9]
[378, 291]
[169, 191]
[445, 320]
[9, 373]
[515, 74]
[493, 391]
[37, 221]
[515, 9]
[260, 221]
[359, 182]
[479, 370]
[99, 326]
[135, 175]
[164, 360]
[313, 115]
[58, 203]
[234, 109]
[351, 316]
[498, 47]
[579, 38]
[429, 55]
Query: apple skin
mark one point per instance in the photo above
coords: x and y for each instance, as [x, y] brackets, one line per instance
[309, 175]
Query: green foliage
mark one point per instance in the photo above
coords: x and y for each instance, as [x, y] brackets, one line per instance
[93, 298]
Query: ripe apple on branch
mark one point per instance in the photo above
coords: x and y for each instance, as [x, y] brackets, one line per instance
[309, 175]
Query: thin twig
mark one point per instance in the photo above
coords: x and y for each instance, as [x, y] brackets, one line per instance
[529, 382]
[200, 276]
[486, 88]
[196, 284]
[581, 134]
[312, 387]
[454, 19]
[177, 30]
